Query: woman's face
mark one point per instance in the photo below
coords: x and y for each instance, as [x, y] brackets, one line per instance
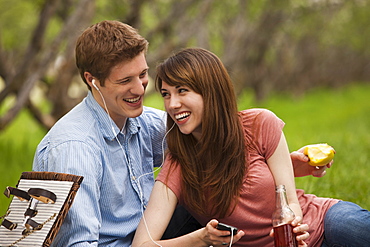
[185, 108]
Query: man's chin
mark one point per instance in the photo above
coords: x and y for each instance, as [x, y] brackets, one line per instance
[136, 112]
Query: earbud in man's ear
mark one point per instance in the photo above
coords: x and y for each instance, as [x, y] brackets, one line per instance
[95, 86]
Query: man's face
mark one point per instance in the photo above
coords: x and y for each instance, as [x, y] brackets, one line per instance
[124, 90]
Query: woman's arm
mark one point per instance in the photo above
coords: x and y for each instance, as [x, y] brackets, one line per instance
[157, 215]
[281, 168]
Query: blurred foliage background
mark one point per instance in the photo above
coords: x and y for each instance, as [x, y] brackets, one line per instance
[307, 60]
[267, 45]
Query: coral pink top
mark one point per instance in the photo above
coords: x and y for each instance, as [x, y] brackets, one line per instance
[254, 210]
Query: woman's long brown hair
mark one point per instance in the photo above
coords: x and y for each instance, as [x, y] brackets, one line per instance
[212, 168]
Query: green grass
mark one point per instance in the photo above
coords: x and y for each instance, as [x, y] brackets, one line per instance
[340, 118]
[17, 146]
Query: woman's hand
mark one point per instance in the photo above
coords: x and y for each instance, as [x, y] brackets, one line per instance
[300, 230]
[214, 237]
[302, 168]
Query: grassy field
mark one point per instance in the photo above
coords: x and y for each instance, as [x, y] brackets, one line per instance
[340, 118]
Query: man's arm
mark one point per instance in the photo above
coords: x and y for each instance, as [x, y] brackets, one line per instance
[83, 219]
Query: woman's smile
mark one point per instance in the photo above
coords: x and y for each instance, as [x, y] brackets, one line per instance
[183, 116]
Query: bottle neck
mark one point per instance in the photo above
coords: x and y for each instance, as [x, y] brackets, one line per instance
[283, 214]
[281, 199]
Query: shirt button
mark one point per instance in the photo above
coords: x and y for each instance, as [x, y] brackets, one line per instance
[133, 178]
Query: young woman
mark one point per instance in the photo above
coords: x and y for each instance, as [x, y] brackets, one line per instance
[223, 166]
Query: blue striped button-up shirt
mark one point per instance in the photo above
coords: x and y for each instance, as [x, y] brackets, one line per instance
[108, 206]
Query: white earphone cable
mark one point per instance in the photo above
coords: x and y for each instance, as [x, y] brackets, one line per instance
[231, 239]
[145, 174]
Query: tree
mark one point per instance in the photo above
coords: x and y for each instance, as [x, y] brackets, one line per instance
[31, 65]
[267, 45]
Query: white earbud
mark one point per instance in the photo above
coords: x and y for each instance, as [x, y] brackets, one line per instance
[95, 86]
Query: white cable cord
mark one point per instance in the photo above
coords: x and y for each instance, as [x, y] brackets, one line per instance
[145, 174]
[163, 140]
[140, 190]
[232, 238]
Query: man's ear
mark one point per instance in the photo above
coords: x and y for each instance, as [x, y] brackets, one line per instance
[89, 78]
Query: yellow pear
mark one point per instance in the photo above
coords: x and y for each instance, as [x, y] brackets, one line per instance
[319, 154]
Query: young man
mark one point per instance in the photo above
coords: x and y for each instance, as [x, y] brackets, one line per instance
[109, 138]
[112, 140]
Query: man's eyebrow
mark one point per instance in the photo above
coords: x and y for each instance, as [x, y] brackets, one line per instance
[130, 76]
[146, 69]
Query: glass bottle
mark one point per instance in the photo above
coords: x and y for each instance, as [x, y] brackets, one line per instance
[281, 219]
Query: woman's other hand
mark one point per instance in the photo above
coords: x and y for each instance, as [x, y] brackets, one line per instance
[301, 231]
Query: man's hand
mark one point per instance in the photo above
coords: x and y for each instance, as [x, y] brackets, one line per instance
[302, 168]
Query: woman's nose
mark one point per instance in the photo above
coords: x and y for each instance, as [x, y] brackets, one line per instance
[174, 102]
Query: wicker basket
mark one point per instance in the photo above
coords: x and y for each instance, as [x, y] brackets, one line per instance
[49, 216]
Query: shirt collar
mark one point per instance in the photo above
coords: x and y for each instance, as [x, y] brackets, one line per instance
[108, 128]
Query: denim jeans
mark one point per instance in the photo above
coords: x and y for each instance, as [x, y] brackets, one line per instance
[346, 224]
